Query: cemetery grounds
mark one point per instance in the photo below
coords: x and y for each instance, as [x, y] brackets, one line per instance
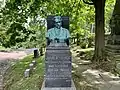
[85, 76]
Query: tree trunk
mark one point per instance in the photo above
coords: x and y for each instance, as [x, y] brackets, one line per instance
[99, 30]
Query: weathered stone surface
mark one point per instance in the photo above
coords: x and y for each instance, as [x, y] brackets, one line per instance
[31, 65]
[34, 62]
[58, 66]
[27, 73]
[59, 88]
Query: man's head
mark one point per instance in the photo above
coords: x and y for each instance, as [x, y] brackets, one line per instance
[58, 21]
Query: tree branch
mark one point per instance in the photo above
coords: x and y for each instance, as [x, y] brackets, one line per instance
[89, 3]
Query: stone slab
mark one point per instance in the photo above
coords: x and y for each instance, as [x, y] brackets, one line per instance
[58, 48]
[57, 82]
[59, 88]
[57, 57]
[114, 47]
[58, 68]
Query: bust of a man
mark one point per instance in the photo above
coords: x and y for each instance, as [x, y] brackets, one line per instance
[58, 34]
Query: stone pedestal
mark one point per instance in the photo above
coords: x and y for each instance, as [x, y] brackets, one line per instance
[58, 88]
[113, 51]
[58, 68]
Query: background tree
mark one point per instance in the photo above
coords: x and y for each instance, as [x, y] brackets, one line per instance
[99, 29]
[18, 18]
[109, 7]
[16, 14]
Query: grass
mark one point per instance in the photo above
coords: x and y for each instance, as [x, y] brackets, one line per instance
[14, 78]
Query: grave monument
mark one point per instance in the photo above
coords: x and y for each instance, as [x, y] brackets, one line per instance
[58, 57]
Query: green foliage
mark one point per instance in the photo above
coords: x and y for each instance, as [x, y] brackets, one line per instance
[85, 38]
[108, 13]
[15, 80]
[15, 15]
[23, 20]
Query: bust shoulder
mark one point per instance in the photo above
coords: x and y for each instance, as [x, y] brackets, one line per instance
[66, 30]
[51, 29]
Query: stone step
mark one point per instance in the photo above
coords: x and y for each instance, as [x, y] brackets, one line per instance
[114, 47]
[117, 57]
[58, 88]
[112, 50]
[111, 53]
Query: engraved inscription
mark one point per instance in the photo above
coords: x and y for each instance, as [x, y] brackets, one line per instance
[58, 76]
[58, 58]
[53, 61]
[58, 67]
[55, 66]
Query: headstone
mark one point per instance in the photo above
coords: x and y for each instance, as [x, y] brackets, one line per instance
[31, 65]
[27, 73]
[34, 62]
[36, 53]
[58, 57]
[58, 68]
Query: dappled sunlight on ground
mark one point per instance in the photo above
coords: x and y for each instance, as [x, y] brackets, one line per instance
[75, 65]
[92, 72]
[94, 77]
[84, 62]
[104, 80]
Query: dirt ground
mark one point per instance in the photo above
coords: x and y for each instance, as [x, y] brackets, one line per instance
[12, 55]
[97, 78]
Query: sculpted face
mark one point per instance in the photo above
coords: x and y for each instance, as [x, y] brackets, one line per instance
[58, 21]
